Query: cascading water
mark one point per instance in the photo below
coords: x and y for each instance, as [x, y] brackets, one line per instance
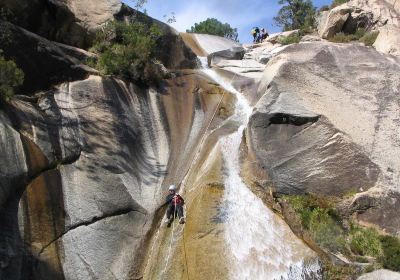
[261, 245]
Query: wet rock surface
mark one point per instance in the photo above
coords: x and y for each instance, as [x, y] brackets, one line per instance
[85, 159]
[108, 166]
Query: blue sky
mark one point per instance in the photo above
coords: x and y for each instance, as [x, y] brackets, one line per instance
[242, 14]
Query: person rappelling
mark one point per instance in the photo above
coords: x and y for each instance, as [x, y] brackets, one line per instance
[175, 204]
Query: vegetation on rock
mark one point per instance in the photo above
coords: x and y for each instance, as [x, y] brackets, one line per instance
[292, 39]
[368, 38]
[10, 78]
[296, 14]
[365, 242]
[391, 252]
[128, 50]
[213, 26]
[325, 226]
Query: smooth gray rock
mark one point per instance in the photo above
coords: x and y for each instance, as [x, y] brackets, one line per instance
[354, 143]
[44, 63]
[72, 22]
[388, 40]
[381, 274]
[13, 166]
[385, 12]
[95, 160]
[276, 37]
[334, 21]
[310, 38]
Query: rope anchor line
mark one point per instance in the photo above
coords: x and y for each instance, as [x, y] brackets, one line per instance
[185, 178]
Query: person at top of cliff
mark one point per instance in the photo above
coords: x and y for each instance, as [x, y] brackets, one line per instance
[255, 32]
[175, 204]
[264, 34]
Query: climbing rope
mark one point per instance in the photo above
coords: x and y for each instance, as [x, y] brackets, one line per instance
[191, 165]
[184, 184]
[170, 243]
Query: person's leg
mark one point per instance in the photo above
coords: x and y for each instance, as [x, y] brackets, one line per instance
[180, 214]
[170, 212]
[179, 209]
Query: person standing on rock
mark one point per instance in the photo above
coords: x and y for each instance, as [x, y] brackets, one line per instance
[264, 35]
[175, 206]
[255, 32]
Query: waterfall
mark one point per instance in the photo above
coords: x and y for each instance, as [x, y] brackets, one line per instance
[261, 245]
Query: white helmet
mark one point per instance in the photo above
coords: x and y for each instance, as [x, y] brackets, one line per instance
[172, 188]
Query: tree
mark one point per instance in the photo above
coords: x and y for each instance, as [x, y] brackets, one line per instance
[10, 77]
[215, 27]
[296, 14]
[127, 49]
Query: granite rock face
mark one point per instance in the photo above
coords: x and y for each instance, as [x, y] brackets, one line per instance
[44, 62]
[328, 123]
[381, 274]
[96, 157]
[334, 22]
[72, 22]
[388, 40]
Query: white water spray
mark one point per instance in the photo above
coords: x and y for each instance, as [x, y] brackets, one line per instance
[261, 245]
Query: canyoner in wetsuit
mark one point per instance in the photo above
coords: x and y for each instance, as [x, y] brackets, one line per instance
[175, 206]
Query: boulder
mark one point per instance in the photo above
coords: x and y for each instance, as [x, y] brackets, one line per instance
[72, 22]
[75, 23]
[380, 274]
[214, 47]
[388, 40]
[384, 12]
[309, 132]
[334, 21]
[247, 68]
[310, 38]
[358, 19]
[375, 208]
[276, 37]
[44, 63]
[264, 52]
[369, 15]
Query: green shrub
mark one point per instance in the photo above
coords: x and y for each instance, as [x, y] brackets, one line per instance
[361, 259]
[292, 39]
[128, 50]
[360, 32]
[391, 253]
[341, 38]
[326, 231]
[10, 78]
[339, 272]
[336, 3]
[345, 38]
[365, 242]
[319, 217]
[369, 38]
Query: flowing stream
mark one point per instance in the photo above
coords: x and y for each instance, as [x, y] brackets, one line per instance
[261, 245]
